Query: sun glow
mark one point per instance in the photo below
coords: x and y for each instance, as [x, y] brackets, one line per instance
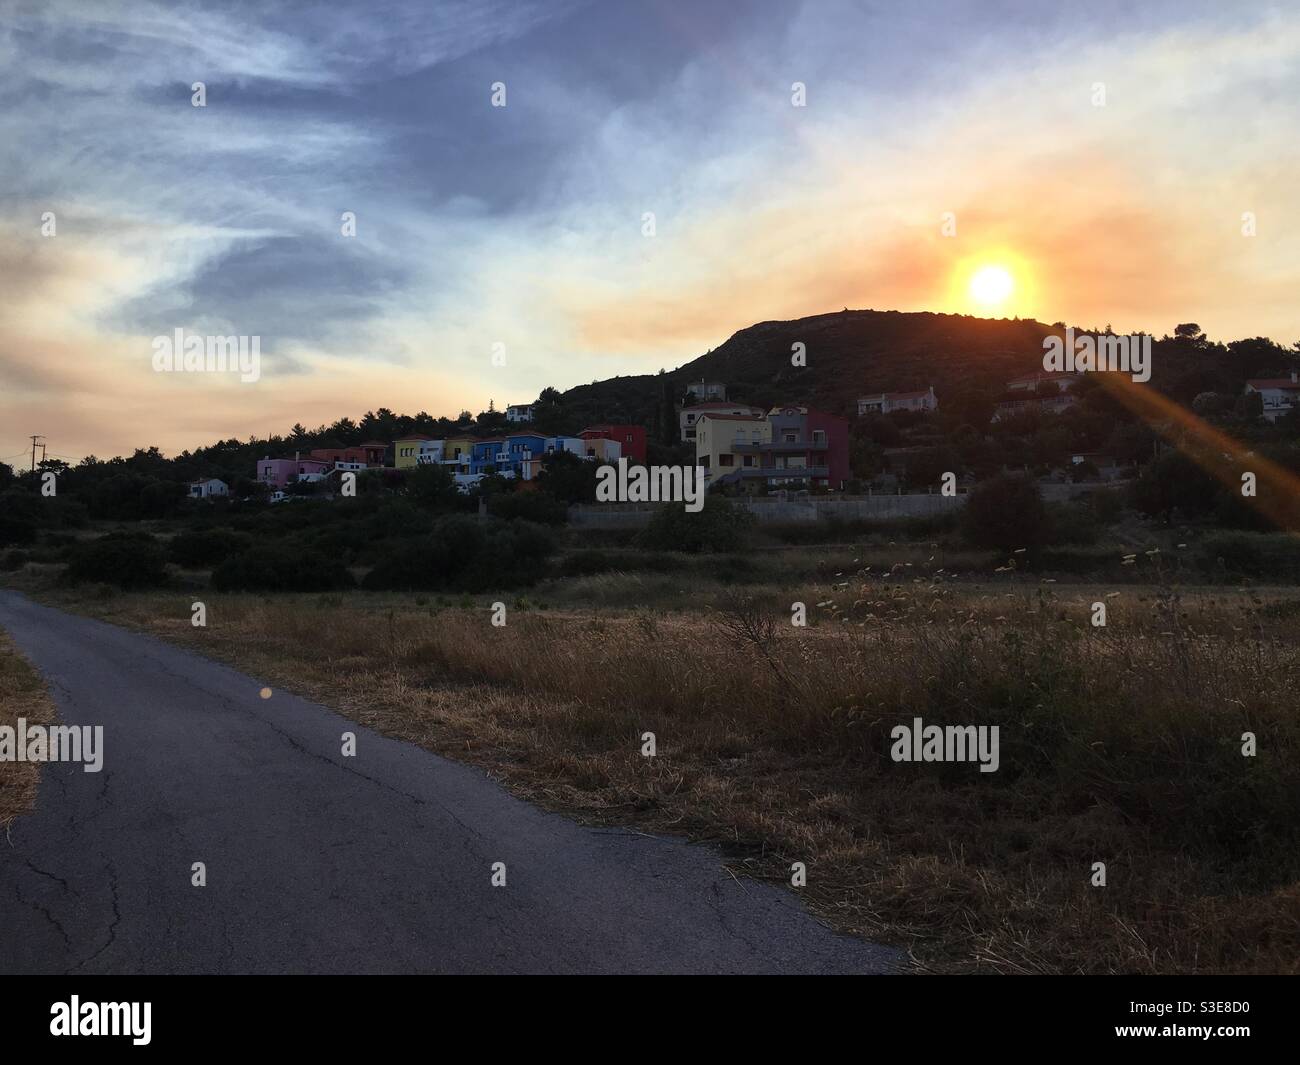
[997, 282]
[991, 286]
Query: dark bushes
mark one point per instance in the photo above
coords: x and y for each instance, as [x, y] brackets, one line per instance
[463, 553]
[529, 505]
[207, 547]
[1005, 513]
[721, 526]
[127, 560]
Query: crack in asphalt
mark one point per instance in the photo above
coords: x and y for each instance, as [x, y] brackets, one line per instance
[112, 927]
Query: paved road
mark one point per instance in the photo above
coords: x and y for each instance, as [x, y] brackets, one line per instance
[320, 863]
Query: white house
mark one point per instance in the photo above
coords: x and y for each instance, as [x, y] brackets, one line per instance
[430, 453]
[707, 391]
[884, 402]
[1279, 394]
[1034, 381]
[208, 489]
[519, 412]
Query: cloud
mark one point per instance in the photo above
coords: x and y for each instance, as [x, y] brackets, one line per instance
[523, 226]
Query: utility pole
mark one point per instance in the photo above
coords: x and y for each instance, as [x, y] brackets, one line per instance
[34, 440]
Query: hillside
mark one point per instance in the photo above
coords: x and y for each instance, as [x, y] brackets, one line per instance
[848, 353]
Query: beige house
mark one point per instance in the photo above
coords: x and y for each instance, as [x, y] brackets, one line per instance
[688, 417]
[724, 442]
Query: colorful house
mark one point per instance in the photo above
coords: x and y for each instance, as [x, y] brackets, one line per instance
[430, 452]
[574, 445]
[371, 453]
[279, 472]
[521, 446]
[689, 416]
[601, 449]
[457, 454]
[789, 447]
[407, 450]
[631, 439]
[490, 456]
[722, 442]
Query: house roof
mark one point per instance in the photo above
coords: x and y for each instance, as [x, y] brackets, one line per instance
[1042, 376]
[370, 443]
[1274, 382]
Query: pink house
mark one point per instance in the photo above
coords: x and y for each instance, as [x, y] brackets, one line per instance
[279, 472]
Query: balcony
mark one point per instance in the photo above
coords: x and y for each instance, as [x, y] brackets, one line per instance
[768, 472]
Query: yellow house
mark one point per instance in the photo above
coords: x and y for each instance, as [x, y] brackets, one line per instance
[726, 442]
[406, 451]
[457, 452]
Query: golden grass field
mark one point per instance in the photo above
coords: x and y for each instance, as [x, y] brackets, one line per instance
[1119, 744]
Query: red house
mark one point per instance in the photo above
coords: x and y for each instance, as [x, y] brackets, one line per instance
[370, 453]
[631, 437]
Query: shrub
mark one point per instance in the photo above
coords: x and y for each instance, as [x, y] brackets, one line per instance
[1005, 513]
[1275, 556]
[15, 560]
[276, 568]
[721, 526]
[125, 560]
[540, 507]
[467, 554]
[207, 547]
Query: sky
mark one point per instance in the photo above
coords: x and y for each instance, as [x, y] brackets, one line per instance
[662, 174]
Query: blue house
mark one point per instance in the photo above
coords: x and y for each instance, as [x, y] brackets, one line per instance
[489, 456]
[522, 446]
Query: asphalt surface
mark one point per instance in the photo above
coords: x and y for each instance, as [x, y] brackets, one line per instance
[319, 863]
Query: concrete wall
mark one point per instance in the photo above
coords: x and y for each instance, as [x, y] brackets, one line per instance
[814, 508]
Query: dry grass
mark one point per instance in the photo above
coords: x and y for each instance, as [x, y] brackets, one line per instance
[21, 695]
[1119, 745]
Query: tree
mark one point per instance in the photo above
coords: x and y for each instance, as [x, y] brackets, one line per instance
[550, 414]
[569, 478]
[432, 486]
[1173, 482]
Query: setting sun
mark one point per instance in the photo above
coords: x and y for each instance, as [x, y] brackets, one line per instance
[991, 285]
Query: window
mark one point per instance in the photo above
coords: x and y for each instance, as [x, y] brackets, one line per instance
[726, 459]
[790, 436]
[819, 437]
[749, 460]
